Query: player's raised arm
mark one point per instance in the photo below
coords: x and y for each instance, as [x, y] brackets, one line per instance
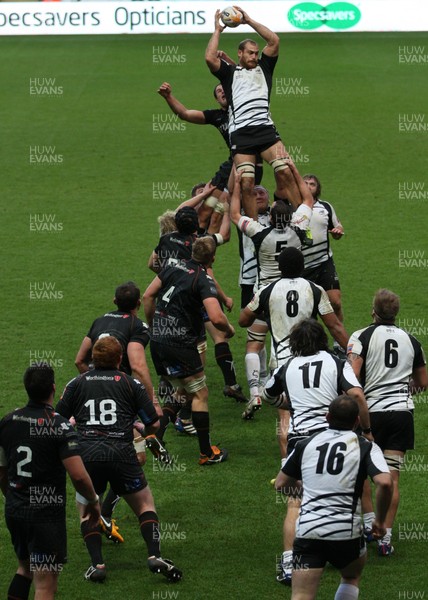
[211, 53]
[271, 38]
[191, 116]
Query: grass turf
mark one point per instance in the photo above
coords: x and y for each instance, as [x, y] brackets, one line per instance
[223, 524]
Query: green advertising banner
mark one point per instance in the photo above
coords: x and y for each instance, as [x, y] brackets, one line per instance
[311, 15]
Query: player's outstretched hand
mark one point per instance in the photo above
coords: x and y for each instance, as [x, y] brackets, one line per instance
[217, 22]
[245, 17]
[165, 89]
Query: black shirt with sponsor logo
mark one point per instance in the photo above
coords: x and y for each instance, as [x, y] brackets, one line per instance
[33, 442]
[220, 119]
[104, 403]
[178, 319]
[125, 327]
[173, 247]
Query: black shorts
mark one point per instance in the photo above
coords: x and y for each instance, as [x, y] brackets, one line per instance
[221, 178]
[171, 361]
[393, 429]
[44, 544]
[314, 554]
[324, 275]
[253, 140]
[293, 438]
[247, 293]
[124, 478]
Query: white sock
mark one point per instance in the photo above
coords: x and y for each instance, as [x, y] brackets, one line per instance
[263, 365]
[387, 537]
[346, 591]
[368, 519]
[252, 369]
[287, 557]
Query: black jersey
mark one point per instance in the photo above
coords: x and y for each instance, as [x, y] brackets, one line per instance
[104, 403]
[125, 327]
[33, 442]
[220, 119]
[178, 318]
[174, 247]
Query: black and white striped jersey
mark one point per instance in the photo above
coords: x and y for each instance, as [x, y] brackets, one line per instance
[323, 218]
[268, 243]
[286, 302]
[248, 92]
[310, 384]
[247, 253]
[332, 466]
[390, 355]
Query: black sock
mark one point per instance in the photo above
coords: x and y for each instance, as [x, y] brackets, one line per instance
[19, 588]
[169, 415]
[109, 504]
[224, 360]
[201, 422]
[149, 527]
[92, 539]
[185, 413]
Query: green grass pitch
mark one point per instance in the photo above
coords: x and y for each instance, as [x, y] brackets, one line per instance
[223, 525]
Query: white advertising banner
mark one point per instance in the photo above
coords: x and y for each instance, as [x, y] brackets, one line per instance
[56, 18]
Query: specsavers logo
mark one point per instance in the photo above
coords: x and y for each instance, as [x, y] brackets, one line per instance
[311, 15]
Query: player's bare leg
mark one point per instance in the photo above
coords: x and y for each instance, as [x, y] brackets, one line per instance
[286, 185]
[305, 583]
[393, 459]
[246, 165]
[45, 584]
[284, 421]
[289, 533]
[351, 575]
[205, 212]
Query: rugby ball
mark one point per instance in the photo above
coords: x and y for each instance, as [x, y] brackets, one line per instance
[231, 17]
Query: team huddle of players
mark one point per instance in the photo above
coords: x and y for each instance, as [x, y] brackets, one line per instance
[110, 413]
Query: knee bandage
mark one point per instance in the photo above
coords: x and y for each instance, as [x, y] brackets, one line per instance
[395, 462]
[256, 336]
[278, 164]
[195, 385]
[219, 208]
[246, 169]
[202, 346]
[211, 201]
[139, 444]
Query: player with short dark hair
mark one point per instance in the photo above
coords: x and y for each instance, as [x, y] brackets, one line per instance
[37, 447]
[391, 365]
[173, 304]
[329, 469]
[319, 263]
[104, 402]
[306, 384]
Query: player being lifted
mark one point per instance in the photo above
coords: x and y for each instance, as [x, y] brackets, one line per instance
[247, 86]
